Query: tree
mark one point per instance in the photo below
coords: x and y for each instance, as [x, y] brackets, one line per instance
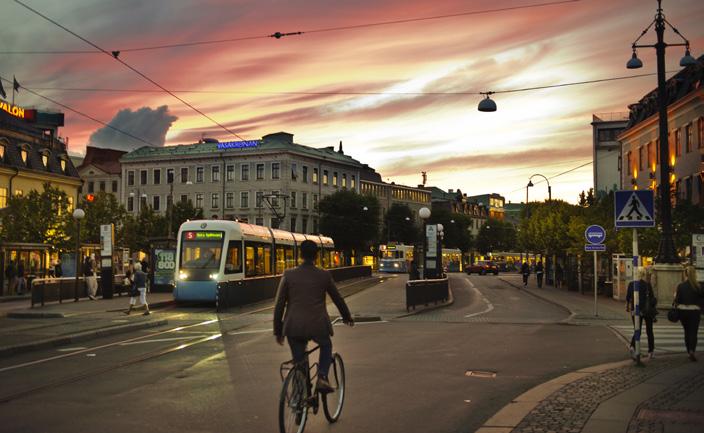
[399, 223]
[139, 229]
[39, 217]
[456, 228]
[104, 209]
[182, 212]
[343, 218]
[496, 235]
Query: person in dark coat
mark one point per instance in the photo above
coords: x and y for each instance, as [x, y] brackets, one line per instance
[688, 300]
[539, 273]
[11, 275]
[413, 272]
[646, 303]
[525, 270]
[21, 282]
[559, 275]
[300, 314]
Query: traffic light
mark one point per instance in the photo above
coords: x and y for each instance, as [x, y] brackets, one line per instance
[90, 198]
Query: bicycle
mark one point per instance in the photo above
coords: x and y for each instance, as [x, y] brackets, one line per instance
[298, 394]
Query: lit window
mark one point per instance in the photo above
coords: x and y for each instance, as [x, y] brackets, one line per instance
[45, 159]
[23, 155]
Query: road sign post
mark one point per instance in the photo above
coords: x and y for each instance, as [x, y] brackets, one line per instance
[595, 236]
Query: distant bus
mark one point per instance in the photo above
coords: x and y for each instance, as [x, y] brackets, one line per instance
[395, 258]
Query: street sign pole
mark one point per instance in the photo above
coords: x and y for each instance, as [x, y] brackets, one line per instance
[637, 319]
[596, 304]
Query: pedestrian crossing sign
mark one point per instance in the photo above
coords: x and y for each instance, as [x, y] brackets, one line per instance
[634, 209]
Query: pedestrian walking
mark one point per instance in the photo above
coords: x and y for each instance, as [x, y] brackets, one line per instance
[688, 302]
[413, 272]
[138, 290]
[647, 303]
[559, 275]
[21, 282]
[129, 279]
[539, 273]
[525, 270]
[11, 276]
[90, 277]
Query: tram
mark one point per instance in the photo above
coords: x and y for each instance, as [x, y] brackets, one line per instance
[395, 258]
[452, 259]
[213, 252]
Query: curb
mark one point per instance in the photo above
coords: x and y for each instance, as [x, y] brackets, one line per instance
[511, 415]
[80, 336]
[153, 305]
[38, 314]
[572, 314]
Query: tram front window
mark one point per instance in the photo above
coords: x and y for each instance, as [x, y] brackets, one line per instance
[200, 255]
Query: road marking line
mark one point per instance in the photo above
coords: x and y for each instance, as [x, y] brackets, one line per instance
[489, 305]
[70, 349]
[159, 340]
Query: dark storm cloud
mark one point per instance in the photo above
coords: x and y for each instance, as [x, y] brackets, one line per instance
[146, 123]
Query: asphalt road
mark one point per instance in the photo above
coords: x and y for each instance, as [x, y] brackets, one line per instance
[220, 372]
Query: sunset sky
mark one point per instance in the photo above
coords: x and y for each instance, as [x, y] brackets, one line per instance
[413, 116]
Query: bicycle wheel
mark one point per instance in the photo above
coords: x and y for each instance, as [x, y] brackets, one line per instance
[333, 401]
[293, 410]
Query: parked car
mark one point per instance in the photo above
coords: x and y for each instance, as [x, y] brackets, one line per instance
[483, 267]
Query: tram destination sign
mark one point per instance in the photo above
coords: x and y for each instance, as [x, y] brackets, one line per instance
[202, 235]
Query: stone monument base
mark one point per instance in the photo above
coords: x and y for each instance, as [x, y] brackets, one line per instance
[666, 278]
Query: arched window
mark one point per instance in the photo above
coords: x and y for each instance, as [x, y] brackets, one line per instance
[45, 157]
[24, 153]
[2, 150]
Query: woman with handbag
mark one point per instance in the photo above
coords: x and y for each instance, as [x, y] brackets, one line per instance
[687, 302]
[647, 303]
[139, 289]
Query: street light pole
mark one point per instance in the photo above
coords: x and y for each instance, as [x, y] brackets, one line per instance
[530, 183]
[666, 249]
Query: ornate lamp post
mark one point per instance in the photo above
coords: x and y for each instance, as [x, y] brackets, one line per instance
[530, 184]
[78, 215]
[424, 214]
[666, 250]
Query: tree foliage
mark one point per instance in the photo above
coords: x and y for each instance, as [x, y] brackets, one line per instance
[456, 228]
[496, 235]
[343, 218]
[399, 225]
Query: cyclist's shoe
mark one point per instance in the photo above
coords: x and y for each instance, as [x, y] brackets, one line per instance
[323, 386]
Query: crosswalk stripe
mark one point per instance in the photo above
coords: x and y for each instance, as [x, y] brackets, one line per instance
[668, 338]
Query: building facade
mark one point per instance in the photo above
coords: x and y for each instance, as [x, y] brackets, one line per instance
[494, 202]
[606, 151]
[685, 110]
[389, 194]
[100, 171]
[32, 154]
[458, 202]
[272, 181]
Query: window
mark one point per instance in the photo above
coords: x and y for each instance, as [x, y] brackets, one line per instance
[114, 186]
[157, 176]
[304, 173]
[325, 177]
[70, 204]
[199, 200]
[304, 200]
[170, 175]
[259, 198]
[275, 199]
[91, 187]
[199, 174]
[230, 173]
[260, 171]
[63, 165]
[641, 158]
[130, 204]
[259, 221]
[143, 177]
[678, 142]
[215, 173]
[230, 200]
[45, 159]
[130, 178]
[214, 200]
[315, 175]
[19, 193]
[293, 224]
[184, 174]
[352, 182]
[688, 137]
[3, 197]
[2, 152]
[233, 263]
[184, 198]
[244, 172]
[304, 224]
[315, 201]
[275, 168]
[293, 200]
[143, 202]
[244, 199]
[156, 202]
[315, 225]
[334, 179]
[24, 154]
[294, 171]
[102, 185]
[344, 180]
[701, 132]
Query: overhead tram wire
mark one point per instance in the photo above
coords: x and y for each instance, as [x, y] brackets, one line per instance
[278, 35]
[80, 113]
[117, 58]
[235, 92]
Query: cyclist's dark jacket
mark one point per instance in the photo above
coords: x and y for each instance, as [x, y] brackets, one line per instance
[301, 294]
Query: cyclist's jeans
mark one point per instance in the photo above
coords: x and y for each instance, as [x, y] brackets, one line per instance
[298, 350]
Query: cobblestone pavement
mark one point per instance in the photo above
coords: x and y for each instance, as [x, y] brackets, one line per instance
[668, 408]
[568, 409]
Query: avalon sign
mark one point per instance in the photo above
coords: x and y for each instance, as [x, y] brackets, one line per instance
[18, 112]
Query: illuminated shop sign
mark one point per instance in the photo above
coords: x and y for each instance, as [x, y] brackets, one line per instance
[18, 112]
[200, 236]
[238, 144]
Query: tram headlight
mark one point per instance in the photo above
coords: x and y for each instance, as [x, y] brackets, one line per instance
[182, 276]
[396, 265]
[213, 276]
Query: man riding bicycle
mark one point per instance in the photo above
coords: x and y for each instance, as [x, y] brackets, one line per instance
[301, 294]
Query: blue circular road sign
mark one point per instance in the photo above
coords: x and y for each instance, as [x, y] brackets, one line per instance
[595, 234]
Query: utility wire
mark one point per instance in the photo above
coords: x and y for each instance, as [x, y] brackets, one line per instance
[80, 113]
[279, 35]
[238, 92]
[116, 57]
